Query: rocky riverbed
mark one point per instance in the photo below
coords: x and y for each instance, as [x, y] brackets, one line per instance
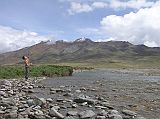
[100, 94]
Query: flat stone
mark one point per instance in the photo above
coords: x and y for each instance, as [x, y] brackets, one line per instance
[115, 116]
[63, 107]
[49, 100]
[72, 113]
[100, 107]
[85, 103]
[40, 101]
[30, 91]
[128, 112]
[30, 87]
[68, 90]
[103, 113]
[113, 112]
[35, 107]
[62, 86]
[68, 95]
[101, 117]
[86, 114]
[15, 108]
[108, 105]
[2, 112]
[39, 112]
[77, 91]
[69, 117]
[56, 89]
[52, 92]
[56, 107]
[21, 110]
[11, 92]
[60, 100]
[2, 93]
[55, 113]
[84, 99]
[83, 89]
[30, 102]
[74, 105]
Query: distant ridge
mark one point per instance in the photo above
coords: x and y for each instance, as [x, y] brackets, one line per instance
[80, 50]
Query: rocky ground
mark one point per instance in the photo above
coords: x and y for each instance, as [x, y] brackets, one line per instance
[83, 98]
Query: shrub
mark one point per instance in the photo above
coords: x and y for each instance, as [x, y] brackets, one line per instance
[16, 71]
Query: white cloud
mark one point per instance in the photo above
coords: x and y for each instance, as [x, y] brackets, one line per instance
[79, 8]
[151, 44]
[141, 27]
[12, 39]
[99, 5]
[91, 5]
[135, 4]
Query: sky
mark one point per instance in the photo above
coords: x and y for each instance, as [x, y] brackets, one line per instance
[27, 22]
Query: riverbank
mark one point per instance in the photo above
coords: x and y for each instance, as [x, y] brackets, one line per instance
[101, 94]
[131, 90]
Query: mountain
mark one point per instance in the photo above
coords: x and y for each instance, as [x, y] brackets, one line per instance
[81, 50]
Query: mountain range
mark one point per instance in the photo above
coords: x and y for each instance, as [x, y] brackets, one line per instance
[81, 50]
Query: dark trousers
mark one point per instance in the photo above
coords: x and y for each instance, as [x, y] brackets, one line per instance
[26, 72]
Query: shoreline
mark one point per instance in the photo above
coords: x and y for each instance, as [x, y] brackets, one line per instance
[97, 91]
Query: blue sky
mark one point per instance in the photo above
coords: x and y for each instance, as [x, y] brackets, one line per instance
[26, 22]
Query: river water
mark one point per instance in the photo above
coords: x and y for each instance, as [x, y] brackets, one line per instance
[113, 75]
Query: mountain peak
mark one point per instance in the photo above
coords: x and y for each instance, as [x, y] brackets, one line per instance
[80, 50]
[83, 39]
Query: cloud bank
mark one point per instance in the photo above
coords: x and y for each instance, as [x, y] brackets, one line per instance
[91, 5]
[79, 8]
[135, 4]
[12, 39]
[141, 27]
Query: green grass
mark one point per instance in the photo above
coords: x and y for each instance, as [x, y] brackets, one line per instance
[17, 71]
[133, 63]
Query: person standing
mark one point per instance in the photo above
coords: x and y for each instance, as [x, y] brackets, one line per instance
[26, 62]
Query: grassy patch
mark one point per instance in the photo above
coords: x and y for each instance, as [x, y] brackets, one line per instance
[17, 71]
[133, 63]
